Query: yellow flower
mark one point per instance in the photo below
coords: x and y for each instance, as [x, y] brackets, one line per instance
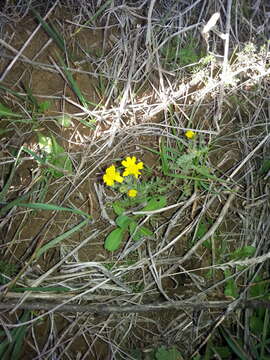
[131, 167]
[111, 175]
[190, 134]
[132, 193]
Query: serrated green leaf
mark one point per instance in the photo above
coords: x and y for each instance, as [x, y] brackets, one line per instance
[155, 203]
[203, 171]
[186, 161]
[114, 239]
[243, 252]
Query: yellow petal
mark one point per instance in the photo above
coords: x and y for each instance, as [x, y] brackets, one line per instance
[118, 177]
[190, 134]
[108, 180]
[132, 193]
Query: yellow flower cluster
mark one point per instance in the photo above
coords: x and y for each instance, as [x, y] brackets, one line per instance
[111, 175]
[190, 134]
[131, 168]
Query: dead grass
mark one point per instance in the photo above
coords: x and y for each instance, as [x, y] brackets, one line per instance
[134, 298]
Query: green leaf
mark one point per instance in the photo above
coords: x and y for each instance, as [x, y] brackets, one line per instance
[114, 239]
[155, 204]
[186, 161]
[51, 31]
[164, 158]
[56, 155]
[243, 252]
[123, 221]
[13, 350]
[20, 338]
[5, 111]
[60, 159]
[234, 345]
[34, 155]
[44, 106]
[8, 182]
[64, 120]
[223, 351]
[73, 83]
[140, 232]
[60, 238]
[256, 324]
[118, 209]
[265, 167]
[203, 171]
[52, 207]
[167, 354]
[201, 230]
[259, 288]
[230, 286]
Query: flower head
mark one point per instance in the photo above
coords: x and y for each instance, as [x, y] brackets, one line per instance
[132, 193]
[131, 168]
[190, 134]
[111, 175]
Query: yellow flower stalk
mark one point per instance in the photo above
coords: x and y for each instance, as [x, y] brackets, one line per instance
[131, 168]
[111, 175]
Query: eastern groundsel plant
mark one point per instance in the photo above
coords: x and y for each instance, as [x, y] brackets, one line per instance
[125, 179]
[128, 179]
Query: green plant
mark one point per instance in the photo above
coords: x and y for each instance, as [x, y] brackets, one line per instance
[13, 349]
[130, 224]
[158, 353]
[53, 157]
[238, 254]
[175, 52]
[137, 193]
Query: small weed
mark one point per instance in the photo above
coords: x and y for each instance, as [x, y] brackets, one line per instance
[138, 193]
[177, 55]
[159, 353]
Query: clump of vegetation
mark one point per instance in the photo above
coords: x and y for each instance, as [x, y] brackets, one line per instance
[179, 55]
